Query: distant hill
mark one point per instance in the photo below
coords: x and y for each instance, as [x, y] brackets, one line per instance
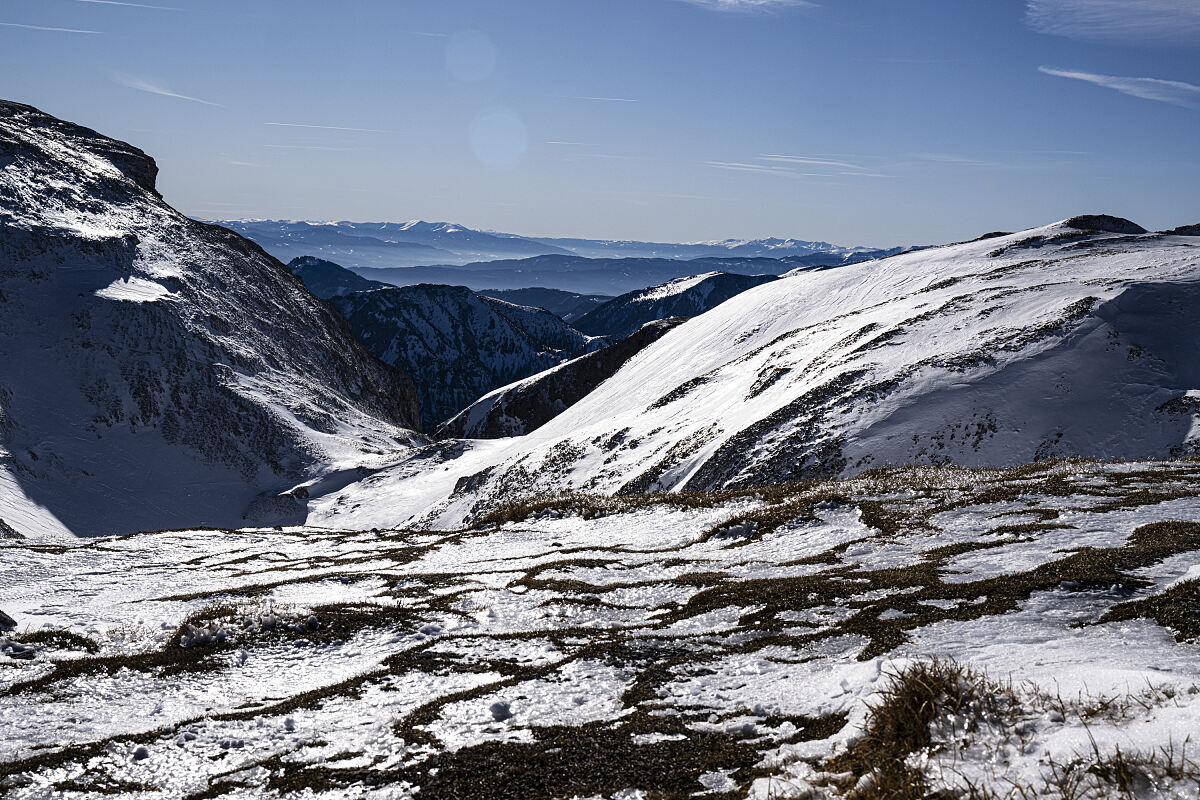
[326, 279]
[683, 297]
[568, 305]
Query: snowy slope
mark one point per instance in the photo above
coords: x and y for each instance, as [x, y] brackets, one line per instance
[456, 344]
[157, 371]
[1052, 342]
[683, 297]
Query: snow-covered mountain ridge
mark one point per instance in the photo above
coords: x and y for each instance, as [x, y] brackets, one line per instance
[157, 371]
[1052, 342]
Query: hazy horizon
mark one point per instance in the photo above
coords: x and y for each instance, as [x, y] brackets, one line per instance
[655, 120]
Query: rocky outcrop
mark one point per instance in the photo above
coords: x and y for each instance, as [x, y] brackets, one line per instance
[1104, 223]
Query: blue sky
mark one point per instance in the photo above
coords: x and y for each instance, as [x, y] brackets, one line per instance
[854, 121]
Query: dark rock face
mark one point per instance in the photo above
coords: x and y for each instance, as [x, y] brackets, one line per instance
[326, 279]
[686, 297]
[1105, 224]
[1185, 230]
[7, 623]
[456, 344]
[532, 403]
[158, 371]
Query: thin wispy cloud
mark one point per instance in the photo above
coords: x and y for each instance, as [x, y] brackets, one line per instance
[326, 127]
[143, 85]
[1125, 21]
[612, 156]
[601, 99]
[310, 147]
[738, 166]
[951, 158]
[817, 162]
[791, 167]
[1176, 93]
[426, 34]
[129, 5]
[44, 28]
[749, 5]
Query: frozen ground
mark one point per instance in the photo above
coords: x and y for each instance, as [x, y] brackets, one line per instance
[719, 646]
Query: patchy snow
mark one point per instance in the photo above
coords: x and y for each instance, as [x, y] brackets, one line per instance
[722, 640]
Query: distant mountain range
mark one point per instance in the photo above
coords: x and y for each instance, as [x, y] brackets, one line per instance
[686, 251]
[359, 245]
[589, 276]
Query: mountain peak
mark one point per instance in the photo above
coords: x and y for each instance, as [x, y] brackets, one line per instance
[129, 161]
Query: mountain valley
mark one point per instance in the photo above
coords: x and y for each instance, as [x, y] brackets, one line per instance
[564, 518]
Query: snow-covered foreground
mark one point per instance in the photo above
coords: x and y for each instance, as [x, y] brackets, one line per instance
[690, 645]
